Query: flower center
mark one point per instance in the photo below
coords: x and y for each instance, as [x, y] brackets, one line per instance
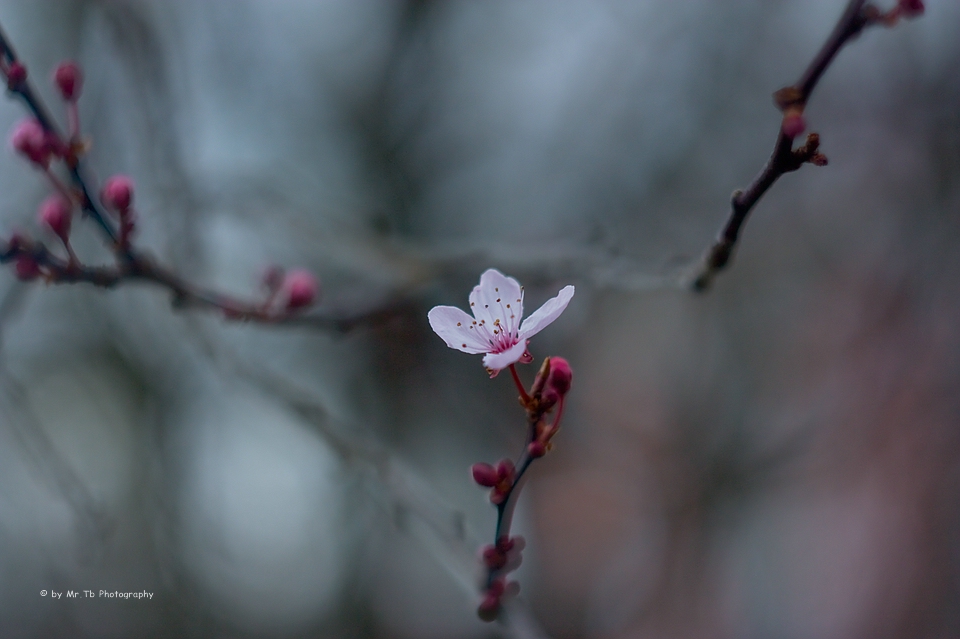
[495, 335]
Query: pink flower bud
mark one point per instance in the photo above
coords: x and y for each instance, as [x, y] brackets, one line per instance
[536, 449]
[16, 75]
[31, 140]
[793, 123]
[489, 608]
[558, 382]
[26, 268]
[506, 544]
[300, 287]
[117, 193]
[561, 375]
[484, 474]
[911, 8]
[505, 469]
[69, 80]
[55, 214]
[493, 558]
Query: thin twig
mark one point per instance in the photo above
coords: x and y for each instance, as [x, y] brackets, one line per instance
[131, 263]
[784, 158]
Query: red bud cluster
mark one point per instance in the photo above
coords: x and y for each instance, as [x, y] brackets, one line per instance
[500, 478]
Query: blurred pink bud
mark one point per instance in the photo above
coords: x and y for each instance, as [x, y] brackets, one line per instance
[31, 140]
[55, 214]
[911, 8]
[69, 80]
[505, 470]
[561, 375]
[558, 382]
[493, 558]
[26, 268]
[16, 75]
[506, 473]
[536, 449]
[117, 193]
[301, 288]
[484, 474]
[793, 123]
[489, 608]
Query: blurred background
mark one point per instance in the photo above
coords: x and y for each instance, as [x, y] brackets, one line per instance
[779, 457]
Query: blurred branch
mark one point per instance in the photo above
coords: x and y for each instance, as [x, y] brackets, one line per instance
[791, 101]
[416, 508]
[33, 259]
[139, 266]
[93, 522]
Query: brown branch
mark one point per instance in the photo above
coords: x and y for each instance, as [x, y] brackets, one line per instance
[41, 263]
[33, 259]
[791, 101]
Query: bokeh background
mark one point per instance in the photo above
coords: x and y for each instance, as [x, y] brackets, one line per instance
[777, 458]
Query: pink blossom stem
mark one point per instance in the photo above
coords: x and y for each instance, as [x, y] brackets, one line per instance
[556, 418]
[73, 120]
[516, 380]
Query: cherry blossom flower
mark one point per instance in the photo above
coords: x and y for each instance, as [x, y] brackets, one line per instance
[495, 328]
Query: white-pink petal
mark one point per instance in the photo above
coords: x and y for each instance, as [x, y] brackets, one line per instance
[498, 361]
[546, 314]
[497, 297]
[454, 328]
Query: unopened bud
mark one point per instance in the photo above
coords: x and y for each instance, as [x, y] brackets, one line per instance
[505, 470]
[117, 194]
[911, 8]
[489, 608]
[484, 474]
[300, 287]
[16, 75]
[69, 80]
[536, 449]
[26, 268]
[793, 123]
[55, 214]
[31, 140]
[558, 382]
[494, 558]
